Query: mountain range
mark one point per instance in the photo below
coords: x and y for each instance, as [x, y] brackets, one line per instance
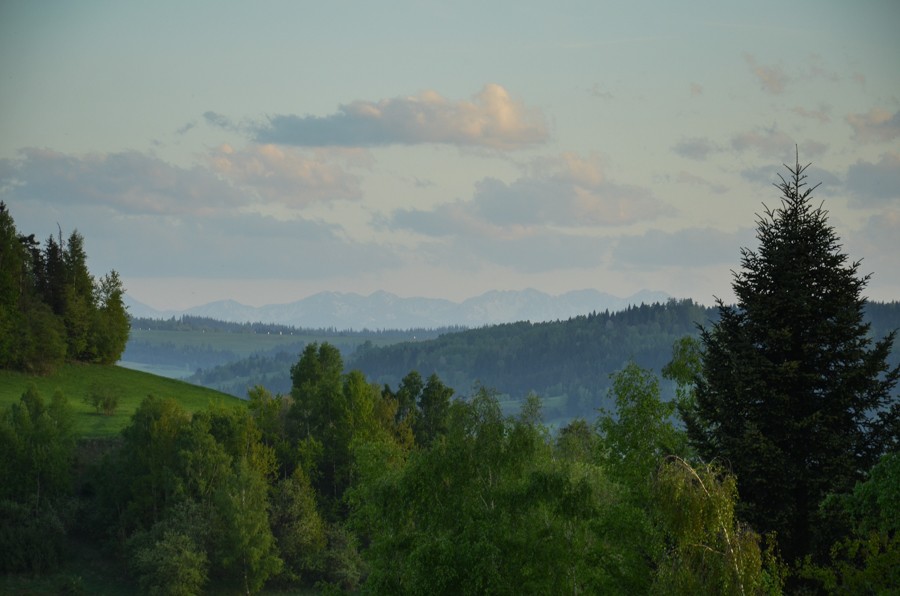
[383, 310]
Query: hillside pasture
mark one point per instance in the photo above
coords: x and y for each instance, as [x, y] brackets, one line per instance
[76, 381]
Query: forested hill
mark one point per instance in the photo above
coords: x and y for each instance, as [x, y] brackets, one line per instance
[567, 363]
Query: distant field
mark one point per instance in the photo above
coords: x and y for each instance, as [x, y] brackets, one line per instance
[75, 381]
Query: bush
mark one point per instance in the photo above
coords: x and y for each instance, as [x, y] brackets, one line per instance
[103, 398]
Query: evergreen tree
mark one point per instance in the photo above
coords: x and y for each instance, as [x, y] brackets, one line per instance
[434, 411]
[111, 321]
[794, 396]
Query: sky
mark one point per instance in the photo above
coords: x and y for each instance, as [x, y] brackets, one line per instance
[267, 151]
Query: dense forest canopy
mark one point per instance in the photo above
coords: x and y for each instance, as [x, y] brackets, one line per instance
[51, 308]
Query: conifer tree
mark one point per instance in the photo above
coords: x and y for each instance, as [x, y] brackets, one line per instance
[794, 395]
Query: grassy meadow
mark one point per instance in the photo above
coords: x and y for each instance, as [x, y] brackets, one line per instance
[76, 380]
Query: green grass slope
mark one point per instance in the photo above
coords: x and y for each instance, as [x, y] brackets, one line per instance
[76, 380]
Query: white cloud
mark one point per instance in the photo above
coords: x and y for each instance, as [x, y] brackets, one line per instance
[491, 119]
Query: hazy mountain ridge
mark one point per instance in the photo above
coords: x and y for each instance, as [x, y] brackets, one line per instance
[383, 310]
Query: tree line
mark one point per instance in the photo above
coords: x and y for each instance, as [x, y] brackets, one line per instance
[51, 308]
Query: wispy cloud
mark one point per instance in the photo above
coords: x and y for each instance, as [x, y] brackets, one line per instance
[876, 125]
[772, 79]
[491, 119]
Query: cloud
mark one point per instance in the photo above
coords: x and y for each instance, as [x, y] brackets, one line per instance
[566, 191]
[185, 129]
[135, 183]
[875, 183]
[877, 125]
[769, 143]
[128, 182]
[569, 191]
[287, 176]
[539, 222]
[697, 148]
[689, 247]
[219, 120]
[492, 119]
[217, 245]
[772, 79]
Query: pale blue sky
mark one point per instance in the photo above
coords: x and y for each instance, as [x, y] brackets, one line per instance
[266, 151]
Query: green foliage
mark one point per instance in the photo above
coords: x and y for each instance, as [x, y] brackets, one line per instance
[51, 307]
[861, 564]
[32, 538]
[38, 455]
[794, 394]
[172, 565]
[710, 551]
[297, 526]
[38, 447]
[433, 411]
[246, 549]
[868, 559]
[640, 432]
[487, 509]
[111, 325]
[103, 398]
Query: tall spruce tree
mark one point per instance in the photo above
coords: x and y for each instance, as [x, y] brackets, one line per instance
[794, 395]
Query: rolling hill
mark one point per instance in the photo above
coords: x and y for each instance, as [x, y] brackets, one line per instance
[76, 380]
